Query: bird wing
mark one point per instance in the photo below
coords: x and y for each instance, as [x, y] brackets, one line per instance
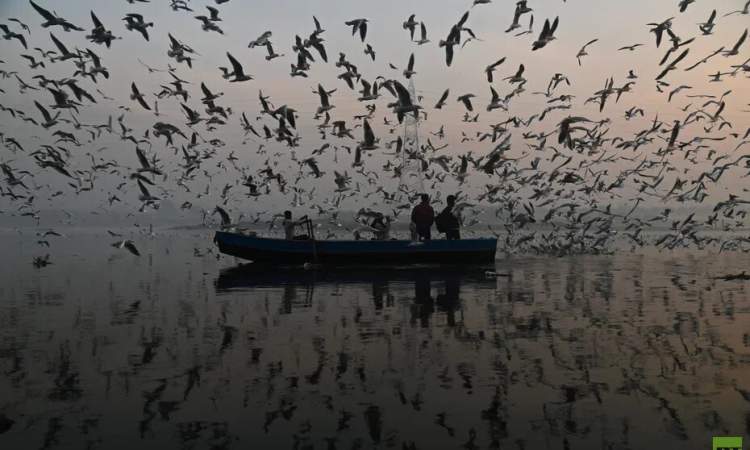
[403, 95]
[59, 45]
[46, 14]
[440, 102]
[740, 42]
[43, 111]
[143, 189]
[235, 65]
[369, 135]
[97, 22]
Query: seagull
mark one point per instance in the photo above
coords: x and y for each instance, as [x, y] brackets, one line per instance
[491, 68]
[684, 5]
[736, 49]
[369, 142]
[443, 98]
[659, 28]
[49, 121]
[582, 51]
[708, 26]
[209, 25]
[135, 22]
[237, 72]
[547, 34]
[496, 102]
[630, 47]
[100, 35]
[410, 24]
[744, 11]
[8, 35]
[369, 51]
[262, 40]
[358, 25]
[127, 245]
[409, 71]
[466, 100]
[136, 95]
[324, 95]
[53, 20]
[423, 33]
[518, 77]
[271, 53]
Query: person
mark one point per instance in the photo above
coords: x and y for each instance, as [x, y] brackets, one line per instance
[289, 226]
[423, 216]
[448, 222]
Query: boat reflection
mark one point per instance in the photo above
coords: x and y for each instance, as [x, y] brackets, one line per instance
[251, 276]
[434, 288]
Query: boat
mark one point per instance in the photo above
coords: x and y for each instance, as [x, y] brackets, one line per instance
[357, 252]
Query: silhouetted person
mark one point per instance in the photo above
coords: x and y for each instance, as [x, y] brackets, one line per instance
[449, 302]
[448, 221]
[424, 304]
[289, 226]
[423, 216]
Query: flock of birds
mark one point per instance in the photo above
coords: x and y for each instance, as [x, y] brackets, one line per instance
[552, 191]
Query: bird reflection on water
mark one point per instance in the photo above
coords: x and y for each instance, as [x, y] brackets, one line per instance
[621, 351]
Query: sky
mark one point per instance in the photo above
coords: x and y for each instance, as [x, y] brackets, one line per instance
[613, 23]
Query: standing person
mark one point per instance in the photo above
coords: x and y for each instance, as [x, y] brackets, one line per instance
[447, 221]
[423, 216]
[289, 226]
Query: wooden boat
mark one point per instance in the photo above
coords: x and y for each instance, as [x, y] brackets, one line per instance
[392, 252]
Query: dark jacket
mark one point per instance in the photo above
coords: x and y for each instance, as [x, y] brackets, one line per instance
[448, 220]
[423, 215]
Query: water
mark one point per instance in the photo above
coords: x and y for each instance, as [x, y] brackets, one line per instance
[179, 349]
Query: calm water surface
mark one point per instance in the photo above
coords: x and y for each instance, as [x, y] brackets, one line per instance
[180, 349]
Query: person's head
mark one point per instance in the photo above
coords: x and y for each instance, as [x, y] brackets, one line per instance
[425, 198]
[287, 214]
[451, 199]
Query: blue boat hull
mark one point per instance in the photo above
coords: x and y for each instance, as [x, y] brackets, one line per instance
[283, 252]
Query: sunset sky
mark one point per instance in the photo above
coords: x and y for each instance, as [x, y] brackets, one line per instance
[614, 23]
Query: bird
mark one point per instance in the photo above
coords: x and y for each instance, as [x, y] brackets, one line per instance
[443, 98]
[630, 47]
[8, 35]
[369, 141]
[49, 121]
[547, 34]
[369, 51]
[358, 25]
[744, 11]
[582, 52]
[324, 95]
[489, 70]
[237, 72]
[127, 245]
[137, 96]
[707, 27]
[135, 22]
[423, 34]
[736, 49]
[261, 40]
[411, 25]
[409, 71]
[51, 20]
[466, 100]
